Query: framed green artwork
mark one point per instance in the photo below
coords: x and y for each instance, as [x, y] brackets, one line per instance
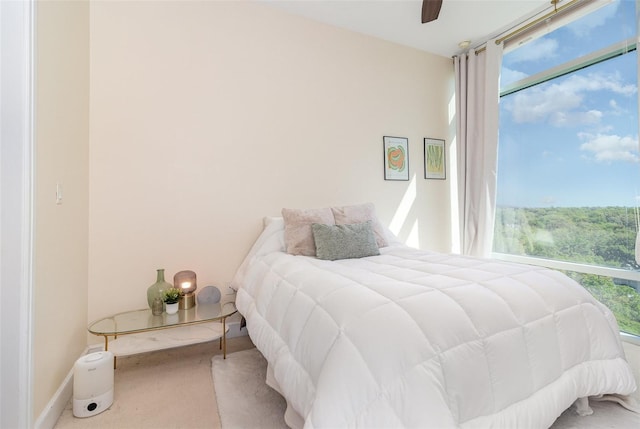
[434, 159]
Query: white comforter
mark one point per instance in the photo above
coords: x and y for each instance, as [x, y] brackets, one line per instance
[419, 339]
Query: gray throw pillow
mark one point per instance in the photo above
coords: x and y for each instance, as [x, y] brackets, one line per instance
[344, 241]
[361, 213]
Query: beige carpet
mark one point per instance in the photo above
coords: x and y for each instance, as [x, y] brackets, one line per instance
[175, 389]
[164, 389]
[251, 404]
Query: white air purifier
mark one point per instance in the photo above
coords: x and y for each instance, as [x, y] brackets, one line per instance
[93, 384]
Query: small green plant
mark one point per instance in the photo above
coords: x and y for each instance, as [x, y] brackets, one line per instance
[171, 295]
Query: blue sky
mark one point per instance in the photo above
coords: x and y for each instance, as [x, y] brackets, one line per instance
[573, 141]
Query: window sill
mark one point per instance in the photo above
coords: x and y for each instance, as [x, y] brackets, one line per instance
[628, 338]
[618, 273]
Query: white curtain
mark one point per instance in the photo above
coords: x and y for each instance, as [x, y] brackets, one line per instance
[637, 249]
[477, 98]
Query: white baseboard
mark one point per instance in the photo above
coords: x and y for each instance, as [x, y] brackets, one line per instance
[95, 348]
[51, 413]
[55, 407]
[234, 329]
[234, 326]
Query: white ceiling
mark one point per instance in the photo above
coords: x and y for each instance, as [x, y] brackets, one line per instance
[399, 20]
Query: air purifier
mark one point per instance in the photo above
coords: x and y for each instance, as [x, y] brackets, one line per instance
[93, 384]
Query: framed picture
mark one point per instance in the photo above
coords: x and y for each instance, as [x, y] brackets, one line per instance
[396, 158]
[434, 159]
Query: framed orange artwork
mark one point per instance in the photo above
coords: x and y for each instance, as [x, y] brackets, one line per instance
[396, 158]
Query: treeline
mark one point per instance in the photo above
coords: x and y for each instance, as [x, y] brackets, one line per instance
[598, 235]
[592, 235]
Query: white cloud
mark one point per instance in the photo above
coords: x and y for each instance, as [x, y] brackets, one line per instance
[615, 108]
[586, 25]
[537, 49]
[597, 82]
[508, 76]
[561, 104]
[537, 105]
[610, 147]
[562, 119]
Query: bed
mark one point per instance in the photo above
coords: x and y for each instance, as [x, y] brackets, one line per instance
[410, 338]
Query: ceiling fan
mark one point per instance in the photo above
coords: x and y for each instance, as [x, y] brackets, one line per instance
[430, 10]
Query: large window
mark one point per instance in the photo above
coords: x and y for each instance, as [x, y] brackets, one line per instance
[568, 162]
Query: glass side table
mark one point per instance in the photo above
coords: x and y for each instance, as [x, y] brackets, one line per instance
[139, 331]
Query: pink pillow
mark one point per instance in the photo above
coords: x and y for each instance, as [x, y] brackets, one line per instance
[361, 213]
[298, 236]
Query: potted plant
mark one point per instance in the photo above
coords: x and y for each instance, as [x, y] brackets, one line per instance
[171, 297]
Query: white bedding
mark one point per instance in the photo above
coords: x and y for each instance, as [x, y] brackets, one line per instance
[420, 339]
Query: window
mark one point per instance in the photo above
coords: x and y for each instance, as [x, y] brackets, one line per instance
[568, 162]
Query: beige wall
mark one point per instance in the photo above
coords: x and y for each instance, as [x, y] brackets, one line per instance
[207, 116]
[61, 156]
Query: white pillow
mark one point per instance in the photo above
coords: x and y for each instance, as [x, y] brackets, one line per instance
[297, 229]
[360, 213]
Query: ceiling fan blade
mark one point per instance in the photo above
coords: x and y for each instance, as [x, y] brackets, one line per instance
[430, 10]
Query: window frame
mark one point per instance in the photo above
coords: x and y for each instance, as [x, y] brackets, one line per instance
[614, 50]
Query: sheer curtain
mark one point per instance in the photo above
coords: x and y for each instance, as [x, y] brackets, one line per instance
[477, 96]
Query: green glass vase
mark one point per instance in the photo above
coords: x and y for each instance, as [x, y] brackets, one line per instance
[157, 289]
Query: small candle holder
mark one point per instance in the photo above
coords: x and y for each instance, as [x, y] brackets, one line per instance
[186, 282]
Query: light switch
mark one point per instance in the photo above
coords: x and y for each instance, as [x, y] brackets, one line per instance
[58, 193]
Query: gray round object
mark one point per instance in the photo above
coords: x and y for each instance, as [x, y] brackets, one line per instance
[208, 295]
